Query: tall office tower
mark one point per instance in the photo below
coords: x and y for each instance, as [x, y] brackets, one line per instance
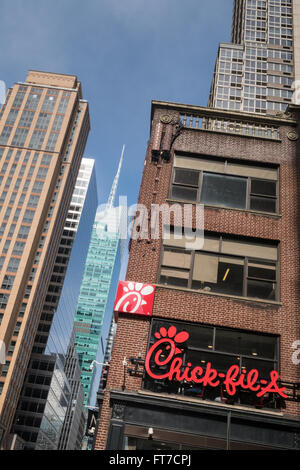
[43, 131]
[74, 423]
[100, 269]
[92, 430]
[64, 286]
[256, 72]
[40, 426]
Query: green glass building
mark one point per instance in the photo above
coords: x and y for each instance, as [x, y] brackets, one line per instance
[94, 307]
[92, 300]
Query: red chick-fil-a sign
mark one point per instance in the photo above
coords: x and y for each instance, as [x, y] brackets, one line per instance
[168, 340]
[134, 297]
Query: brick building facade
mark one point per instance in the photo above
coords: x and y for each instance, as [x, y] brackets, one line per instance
[252, 308]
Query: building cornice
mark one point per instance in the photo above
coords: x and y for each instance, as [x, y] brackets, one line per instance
[214, 113]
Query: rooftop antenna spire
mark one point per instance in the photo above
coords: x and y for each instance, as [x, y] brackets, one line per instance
[114, 187]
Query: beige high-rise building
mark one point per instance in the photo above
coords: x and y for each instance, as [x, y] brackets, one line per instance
[44, 125]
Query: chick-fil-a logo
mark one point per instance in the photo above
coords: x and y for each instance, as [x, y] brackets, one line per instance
[134, 297]
[168, 340]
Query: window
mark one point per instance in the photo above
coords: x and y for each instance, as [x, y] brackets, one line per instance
[23, 232]
[12, 116]
[3, 300]
[225, 265]
[7, 213]
[6, 246]
[8, 183]
[3, 196]
[31, 170]
[26, 184]
[32, 101]
[280, 67]
[276, 106]
[11, 230]
[58, 120]
[278, 54]
[18, 248]
[37, 257]
[37, 139]
[11, 348]
[27, 292]
[16, 215]
[2, 228]
[225, 183]
[280, 80]
[13, 198]
[46, 159]
[35, 157]
[279, 93]
[263, 195]
[18, 99]
[26, 118]
[42, 172]
[22, 170]
[13, 265]
[32, 275]
[229, 191]
[63, 103]
[37, 187]
[5, 134]
[43, 121]
[7, 282]
[52, 141]
[49, 103]
[21, 199]
[33, 201]
[222, 348]
[20, 136]
[28, 216]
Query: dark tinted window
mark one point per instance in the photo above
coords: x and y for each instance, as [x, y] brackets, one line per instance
[221, 190]
[189, 177]
[263, 187]
[186, 193]
[259, 346]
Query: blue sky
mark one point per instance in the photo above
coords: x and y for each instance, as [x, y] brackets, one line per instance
[125, 53]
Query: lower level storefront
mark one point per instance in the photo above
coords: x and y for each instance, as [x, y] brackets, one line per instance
[148, 421]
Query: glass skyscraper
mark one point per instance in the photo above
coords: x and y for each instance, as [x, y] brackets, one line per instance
[255, 73]
[94, 311]
[72, 253]
[92, 301]
[75, 417]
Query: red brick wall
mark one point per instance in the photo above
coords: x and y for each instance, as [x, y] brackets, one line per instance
[180, 304]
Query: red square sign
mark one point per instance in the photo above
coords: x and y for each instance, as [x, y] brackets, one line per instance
[134, 297]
